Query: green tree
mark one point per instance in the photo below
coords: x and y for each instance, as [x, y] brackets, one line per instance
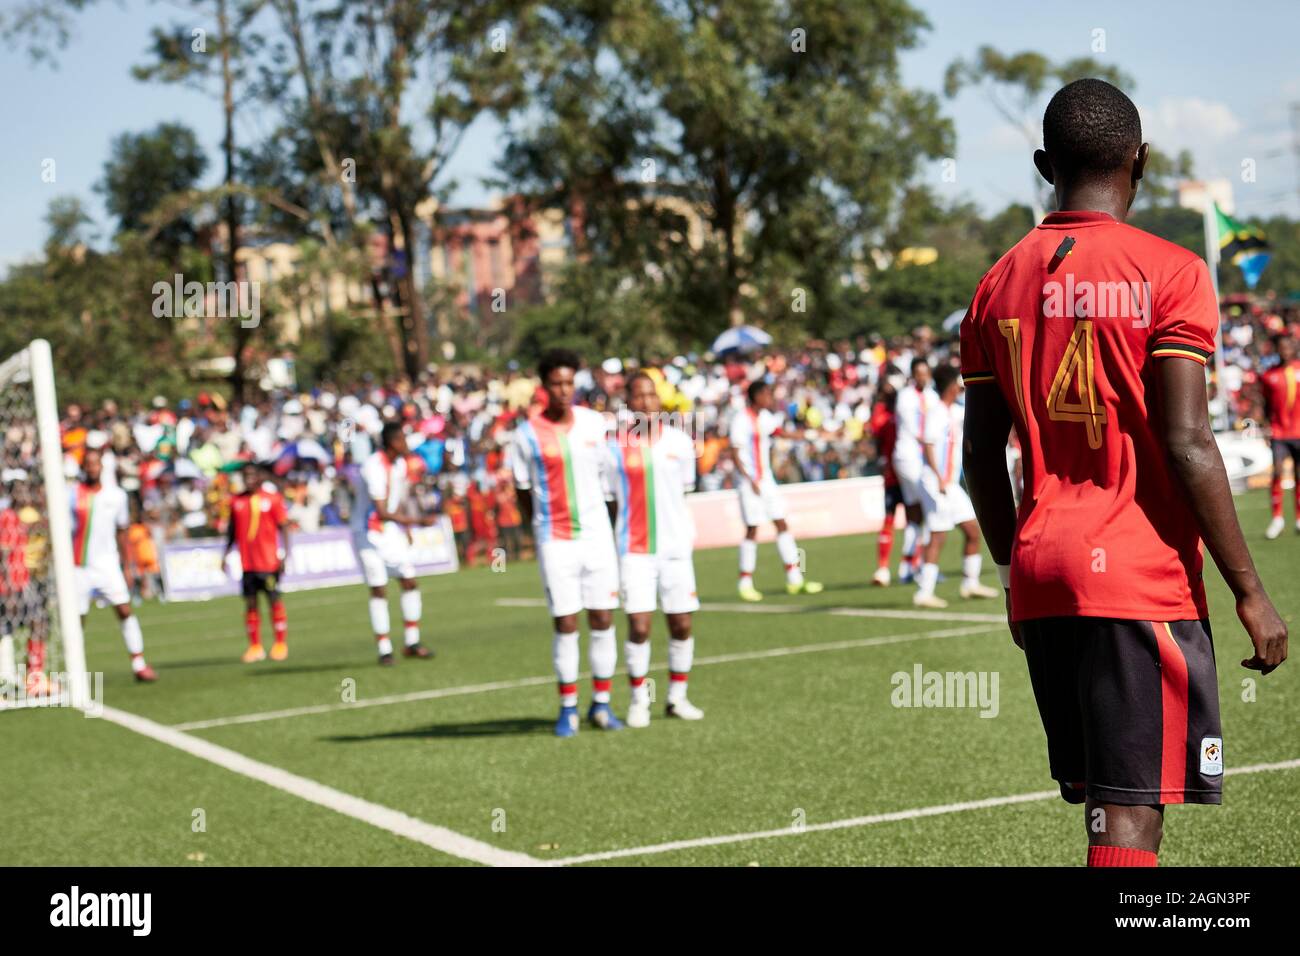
[781, 132]
[142, 169]
[1016, 83]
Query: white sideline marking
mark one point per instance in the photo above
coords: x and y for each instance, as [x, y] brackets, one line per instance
[852, 822]
[385, 818]
[734, 608]
[436, 693]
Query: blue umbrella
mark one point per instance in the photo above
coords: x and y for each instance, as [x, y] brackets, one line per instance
[741, 338]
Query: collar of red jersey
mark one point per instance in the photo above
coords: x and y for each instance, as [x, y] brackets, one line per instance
[1075, 218]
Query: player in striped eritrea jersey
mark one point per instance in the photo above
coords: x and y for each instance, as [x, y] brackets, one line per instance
[258, 523]
[558, 463]
[1090, 338]
[760, 499]
[1282, 403]
[944, 503]
[651, 467]
[381, 530]
[917, 404]
[100, 516]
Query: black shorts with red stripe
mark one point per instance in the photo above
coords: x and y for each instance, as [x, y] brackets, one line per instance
[1131, 708]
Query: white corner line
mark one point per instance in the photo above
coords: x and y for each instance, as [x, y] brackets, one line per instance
[385, 818]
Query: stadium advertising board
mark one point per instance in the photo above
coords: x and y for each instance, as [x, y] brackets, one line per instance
[193, 570]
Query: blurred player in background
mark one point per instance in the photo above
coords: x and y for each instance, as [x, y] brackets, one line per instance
[944, 503]
[1123, 479]
[916, 405]
[24, 587]
[258, 523]
[1282, 403]
[760, 500]
[558, 461]
[381, 527]
[100, 516]
[652, 466]
[884, 427]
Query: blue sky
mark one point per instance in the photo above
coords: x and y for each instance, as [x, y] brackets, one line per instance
[1213, 78]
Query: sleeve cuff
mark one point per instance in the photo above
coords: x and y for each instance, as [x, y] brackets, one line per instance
[975, 378]
[1181, 350]
[1004, 575]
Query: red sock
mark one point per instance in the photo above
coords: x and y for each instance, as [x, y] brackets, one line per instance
[1119, 856]
[885, 542]
[35, 656]
[1275, 495]
[253, 624]
[279, 622]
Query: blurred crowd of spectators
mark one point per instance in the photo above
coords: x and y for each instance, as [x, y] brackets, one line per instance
[174, 460]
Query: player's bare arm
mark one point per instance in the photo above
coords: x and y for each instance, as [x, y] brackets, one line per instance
[1197, 465]
[984, 449]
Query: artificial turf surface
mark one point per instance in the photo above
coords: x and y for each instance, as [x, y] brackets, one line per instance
[805, 733]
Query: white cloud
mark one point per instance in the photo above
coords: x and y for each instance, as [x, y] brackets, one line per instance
[1188, 122]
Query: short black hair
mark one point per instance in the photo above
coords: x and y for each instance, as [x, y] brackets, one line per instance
[390, 431]
[557, 358]
[1091, 128]
[636, 377]
[944, 376]
[755, 388]
[917, 361]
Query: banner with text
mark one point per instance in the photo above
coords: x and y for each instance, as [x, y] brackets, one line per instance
[193, 570]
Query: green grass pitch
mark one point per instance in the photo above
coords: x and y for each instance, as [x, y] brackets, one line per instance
[800, 729]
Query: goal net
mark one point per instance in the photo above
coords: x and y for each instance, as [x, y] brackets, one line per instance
[42, 661]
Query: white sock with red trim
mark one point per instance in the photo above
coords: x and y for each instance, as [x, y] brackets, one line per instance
[680, 656]
[789, 551]
[564, 655]
[412, 607]
[134, 640]
[379, 623]
[638, 666]
[748, 560]
[604, 659]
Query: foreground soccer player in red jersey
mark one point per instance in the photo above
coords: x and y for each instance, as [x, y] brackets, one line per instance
[258, 518]
[1282, 402]
[1090, 337]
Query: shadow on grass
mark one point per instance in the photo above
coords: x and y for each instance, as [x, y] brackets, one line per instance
[513, 726]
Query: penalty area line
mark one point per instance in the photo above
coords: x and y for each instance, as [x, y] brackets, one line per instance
[866, 821]
[385, 818]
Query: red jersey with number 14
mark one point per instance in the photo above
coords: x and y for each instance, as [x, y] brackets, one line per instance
[258, 518]
[1069, 326]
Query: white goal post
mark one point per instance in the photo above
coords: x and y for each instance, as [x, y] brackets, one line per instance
[38, 562]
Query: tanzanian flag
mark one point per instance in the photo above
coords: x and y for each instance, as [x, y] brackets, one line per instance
[1244, 246]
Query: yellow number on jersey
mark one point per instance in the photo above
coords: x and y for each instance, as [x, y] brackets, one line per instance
[1010, 329]
[1076, 369]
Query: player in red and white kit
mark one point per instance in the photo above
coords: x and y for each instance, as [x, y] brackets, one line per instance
[1090, 337]
[1282, 403]
[100, 517]
[760, 500]
[258, 522]
[916, 405]
[651, 466]
[944, 503]
[381, 531]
